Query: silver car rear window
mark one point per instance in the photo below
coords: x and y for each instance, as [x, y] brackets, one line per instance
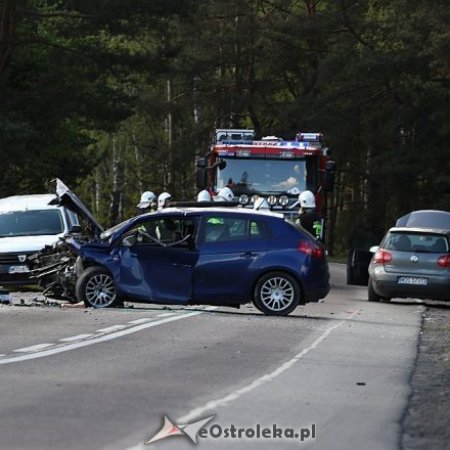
[416, 242]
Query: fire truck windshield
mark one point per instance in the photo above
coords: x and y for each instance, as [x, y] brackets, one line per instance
[246, 176]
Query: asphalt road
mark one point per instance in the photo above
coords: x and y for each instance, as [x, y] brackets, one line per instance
[336, 373]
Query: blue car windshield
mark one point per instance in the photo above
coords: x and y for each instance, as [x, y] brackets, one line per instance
[244, 175]
[110, 231]
[31, 223]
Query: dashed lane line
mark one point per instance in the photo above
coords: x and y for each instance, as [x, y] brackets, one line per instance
[112, 328]
[43, 350]
[138, 321]
[78, 337]
[34, 348]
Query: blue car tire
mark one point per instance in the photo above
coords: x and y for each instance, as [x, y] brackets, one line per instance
[96, 288]
[276, 294]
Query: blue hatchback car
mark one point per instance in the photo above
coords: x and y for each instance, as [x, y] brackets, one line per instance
[191, 255]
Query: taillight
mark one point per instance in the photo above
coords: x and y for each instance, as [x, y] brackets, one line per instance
[444, 261]
[310, 248]
[382, 257]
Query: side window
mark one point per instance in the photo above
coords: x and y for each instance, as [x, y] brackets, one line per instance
[215, 229]
[225, 229]
[164, 232]
[257, 230]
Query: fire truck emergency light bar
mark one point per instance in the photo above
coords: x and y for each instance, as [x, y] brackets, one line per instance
[312, 137]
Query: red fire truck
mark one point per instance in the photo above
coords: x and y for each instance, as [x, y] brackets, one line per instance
[273, 168]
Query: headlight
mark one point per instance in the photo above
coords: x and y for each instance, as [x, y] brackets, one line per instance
[243, 199]
[272, 200]
[283, 200]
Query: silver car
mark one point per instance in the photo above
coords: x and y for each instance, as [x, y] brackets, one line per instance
[411, 262]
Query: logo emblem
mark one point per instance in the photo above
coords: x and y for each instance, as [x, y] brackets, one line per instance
[414, 259]
[22, 258]
[189, 430]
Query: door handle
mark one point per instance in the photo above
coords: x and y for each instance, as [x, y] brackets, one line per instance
[182, 266]
[248, 254]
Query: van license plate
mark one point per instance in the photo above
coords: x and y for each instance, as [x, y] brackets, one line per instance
[19, 269]
[413, 280]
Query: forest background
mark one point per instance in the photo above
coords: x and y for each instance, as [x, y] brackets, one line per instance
[117, 97]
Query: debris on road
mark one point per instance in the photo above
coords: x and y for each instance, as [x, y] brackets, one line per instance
[5, 296]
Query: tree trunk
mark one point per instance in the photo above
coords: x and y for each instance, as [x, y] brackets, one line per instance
[7, 32]
[115, 210]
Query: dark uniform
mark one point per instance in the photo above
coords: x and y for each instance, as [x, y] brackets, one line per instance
[312, 223]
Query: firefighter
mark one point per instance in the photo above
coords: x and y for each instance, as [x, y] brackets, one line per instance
[164, 200]
[307, 215]
[147, 203]
[204, 196]
[224, 195]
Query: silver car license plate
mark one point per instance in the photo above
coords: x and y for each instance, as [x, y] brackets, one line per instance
[413, 280]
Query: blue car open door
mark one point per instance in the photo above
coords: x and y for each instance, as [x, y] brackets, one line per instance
[160, 263]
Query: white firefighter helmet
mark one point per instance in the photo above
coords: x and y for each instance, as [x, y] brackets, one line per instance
[307, 200]
[204, 196]
[147, 198]
[261, 203]
[225, 195]
[163, 198]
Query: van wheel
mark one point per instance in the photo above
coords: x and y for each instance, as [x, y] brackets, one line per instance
[95, 287]
[276, 294]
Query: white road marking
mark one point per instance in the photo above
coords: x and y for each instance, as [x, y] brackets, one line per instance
[78, 337]
[213, 405]
[112, 328]
[138, 321]
[104, 338]
[33, 348]
[165, 314]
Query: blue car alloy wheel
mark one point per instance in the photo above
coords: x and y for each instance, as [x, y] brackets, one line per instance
[96, 288]
[277, 294]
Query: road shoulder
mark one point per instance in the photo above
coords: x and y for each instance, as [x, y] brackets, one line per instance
[426, 420]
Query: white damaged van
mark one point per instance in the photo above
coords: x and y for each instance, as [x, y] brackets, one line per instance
[27, 224]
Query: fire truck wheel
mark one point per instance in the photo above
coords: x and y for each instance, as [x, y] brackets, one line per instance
[276, 294]
[96, 288]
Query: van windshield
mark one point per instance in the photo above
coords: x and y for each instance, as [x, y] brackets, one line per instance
[31, 223]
